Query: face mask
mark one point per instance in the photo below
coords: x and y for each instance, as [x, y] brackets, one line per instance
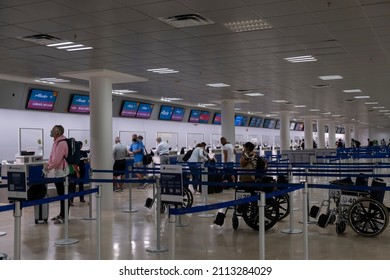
[134, 139]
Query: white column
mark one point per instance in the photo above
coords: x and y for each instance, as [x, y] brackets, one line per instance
[227, 120]
[356, 134]
[332, 135]
[284, 131]
[101, 135]
[348, 135]
[321, 133]
[308, 127]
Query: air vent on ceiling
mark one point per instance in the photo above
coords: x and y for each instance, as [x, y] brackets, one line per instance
[42, 39]
[186, 20]
[321, 86]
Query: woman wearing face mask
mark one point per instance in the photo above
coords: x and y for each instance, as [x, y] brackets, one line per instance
[137, 151]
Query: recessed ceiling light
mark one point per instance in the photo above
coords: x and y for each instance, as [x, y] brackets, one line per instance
[314, 110]
[303, 58]
[352, 90]
[237, 109]
[248, 25]
[299, 106]
[170, 99]
[122, 91]
[361, 96]
[327, 113]
[79, 49]
[254, 94]
[206, 105]
[52, 80]
[162, 71]
[382, 111]
[330, 77]
[378, 107]
[217, 85]
[371, 103]
[280, 101]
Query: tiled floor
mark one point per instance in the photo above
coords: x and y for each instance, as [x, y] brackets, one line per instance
[126, 236]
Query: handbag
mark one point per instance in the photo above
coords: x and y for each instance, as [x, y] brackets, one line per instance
[148, 157]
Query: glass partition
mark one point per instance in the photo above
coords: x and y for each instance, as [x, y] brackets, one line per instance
[31, 139]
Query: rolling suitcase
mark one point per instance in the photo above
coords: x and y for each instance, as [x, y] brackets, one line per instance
[41, 213]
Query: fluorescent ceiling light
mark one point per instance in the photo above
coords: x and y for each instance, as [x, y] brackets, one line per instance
[352, 90]
[378, 107]
[299, 106]
[298, 59]
[54, 80]
[70, 46]
[361, 96]
[248, 25]
[162, 71]
[280, 101]
[237, 109]
[314, 110]
[382, 111]
[330, 77]
[371, 103]
[206, 105]
[79, 49]
[327, 113]
[44, 82]
[254, 94]
[123, 91]
[59, 44]
[250, 113]
[217, 85]
[170, 99]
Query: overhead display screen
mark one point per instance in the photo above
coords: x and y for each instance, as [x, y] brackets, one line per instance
[165, 113]
[40, 99]
[129, 109]
[204, 117]
[194, 116]
[217, 118]
[79, 104]
[144, 111]
[178, 114]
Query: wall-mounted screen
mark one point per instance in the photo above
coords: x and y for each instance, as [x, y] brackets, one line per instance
[204, 117]
[272, 124]
[292, 125]
[340, 130]
[79, 104]
[299, 127]
[144, 111]
[40, 99]
[194, 116]
[252, 122]
[178, 114]
[217, 118]
[259, 121]
[277, 126]
[266, 123]
[129, 109]
[165, 113]
[240, 120]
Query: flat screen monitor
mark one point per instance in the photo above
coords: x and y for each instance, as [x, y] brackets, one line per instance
[244, 121]
[252, 122]
[79, 104]
[258, 122]
[165, 113]
[299, 127]
[129, 109]
[40, 99]
[238, 120]
[292, 125]
[342, 130]
[178, 114]
[217, 118]
[144, 110]
[272, 124]
[194, 116]
[277, 126]
[204, 117]
[266, 123]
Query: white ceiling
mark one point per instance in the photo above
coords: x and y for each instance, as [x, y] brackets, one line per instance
[350, 38]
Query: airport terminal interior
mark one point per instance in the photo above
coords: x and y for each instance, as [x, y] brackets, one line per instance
[271, 72]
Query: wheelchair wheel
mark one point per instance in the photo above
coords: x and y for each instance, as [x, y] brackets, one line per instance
[188, 198]
[250, 214]
[284, 206]
[340, 227]
[368, 217]
[235, 221]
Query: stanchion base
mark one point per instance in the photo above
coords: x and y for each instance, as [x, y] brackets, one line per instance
[206, 215]
[291, 230]
[157, 250]
[68, 241]
[130, 210]
[2, 233]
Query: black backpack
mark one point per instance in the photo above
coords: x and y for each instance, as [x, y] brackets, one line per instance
[187, 155]
[74, 151]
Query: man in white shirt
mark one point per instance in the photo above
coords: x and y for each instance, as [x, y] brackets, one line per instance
[162, 150]
[228, 158]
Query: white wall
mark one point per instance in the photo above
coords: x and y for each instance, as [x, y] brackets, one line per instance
[13, 120]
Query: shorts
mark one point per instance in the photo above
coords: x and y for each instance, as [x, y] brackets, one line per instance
[119, 165]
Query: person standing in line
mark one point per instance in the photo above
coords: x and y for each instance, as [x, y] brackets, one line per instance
[228, 158]
[119, 152]
[198, 155]
[57, 162]
[137, 151]
[162, 150]
[81, 166]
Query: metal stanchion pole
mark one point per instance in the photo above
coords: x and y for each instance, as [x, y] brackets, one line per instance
[261, 204]
[205, 191]
[89, 200]
[66, 240]
[291, 229]
[159, 248]
[17, 231]
[98, 224]
[130, 209]
[172, 236]
[305, 224]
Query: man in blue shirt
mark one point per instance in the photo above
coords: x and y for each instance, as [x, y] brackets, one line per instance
[137, 151]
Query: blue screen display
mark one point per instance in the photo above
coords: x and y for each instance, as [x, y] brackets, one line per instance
[144, 111]
[42, 99]
[178, 114]
[204, 117]
[165, 113]
[217, 118]
[240, 120]
[266, 123]
[79, 104]
[129, 109]
[194, 116]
